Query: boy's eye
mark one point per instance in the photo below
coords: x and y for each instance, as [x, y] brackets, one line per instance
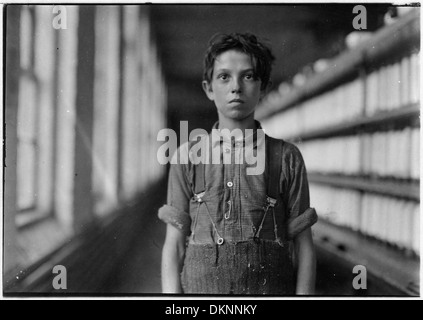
[249, 76]
[223, 76]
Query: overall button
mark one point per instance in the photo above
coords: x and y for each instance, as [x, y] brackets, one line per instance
[230, 184]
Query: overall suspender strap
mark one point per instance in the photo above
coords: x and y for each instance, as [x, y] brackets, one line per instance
[274, 161]
[274, 166]
[199, 178]
[199, 174]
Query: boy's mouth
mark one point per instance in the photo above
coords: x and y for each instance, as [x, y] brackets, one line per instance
[236, 101]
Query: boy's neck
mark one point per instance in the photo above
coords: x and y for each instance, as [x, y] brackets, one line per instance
[231, 124]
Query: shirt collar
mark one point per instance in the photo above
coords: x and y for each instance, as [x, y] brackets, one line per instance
[226, 136]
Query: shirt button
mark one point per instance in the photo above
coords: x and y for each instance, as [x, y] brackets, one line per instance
[230, 184]
[227, 150]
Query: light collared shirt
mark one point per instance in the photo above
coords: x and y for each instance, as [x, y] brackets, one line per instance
[233, 204]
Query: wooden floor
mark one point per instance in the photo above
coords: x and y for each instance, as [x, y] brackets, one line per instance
[141, 272]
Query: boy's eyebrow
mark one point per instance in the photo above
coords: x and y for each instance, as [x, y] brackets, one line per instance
[228, 70]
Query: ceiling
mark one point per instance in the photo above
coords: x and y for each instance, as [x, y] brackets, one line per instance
[297, 34]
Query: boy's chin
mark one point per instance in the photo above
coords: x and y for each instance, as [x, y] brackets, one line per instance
[237, 115]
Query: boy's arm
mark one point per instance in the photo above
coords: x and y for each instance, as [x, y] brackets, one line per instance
[301, 217]
[306, 257]
[172, 260]
[176, 216]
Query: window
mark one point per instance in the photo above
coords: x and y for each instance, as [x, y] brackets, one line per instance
[35, 116]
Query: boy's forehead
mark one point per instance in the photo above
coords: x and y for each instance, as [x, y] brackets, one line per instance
[233, 57]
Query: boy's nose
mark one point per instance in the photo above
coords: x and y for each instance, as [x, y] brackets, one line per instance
[236, 86]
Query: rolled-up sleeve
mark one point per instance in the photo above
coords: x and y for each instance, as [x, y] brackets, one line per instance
[176, 211]
[300, 217]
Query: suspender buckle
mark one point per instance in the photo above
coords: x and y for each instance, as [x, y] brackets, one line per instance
[279, 241]
[199, 197]
[271, 202]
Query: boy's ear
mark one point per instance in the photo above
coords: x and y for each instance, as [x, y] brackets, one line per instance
[208, 90]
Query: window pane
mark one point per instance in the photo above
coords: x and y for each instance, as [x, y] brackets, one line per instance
[26, 173]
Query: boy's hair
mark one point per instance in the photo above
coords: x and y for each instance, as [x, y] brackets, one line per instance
[261, 55]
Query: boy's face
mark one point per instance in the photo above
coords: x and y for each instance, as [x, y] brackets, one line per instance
[233, 88]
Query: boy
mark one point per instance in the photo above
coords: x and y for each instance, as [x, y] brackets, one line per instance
[239, 236]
